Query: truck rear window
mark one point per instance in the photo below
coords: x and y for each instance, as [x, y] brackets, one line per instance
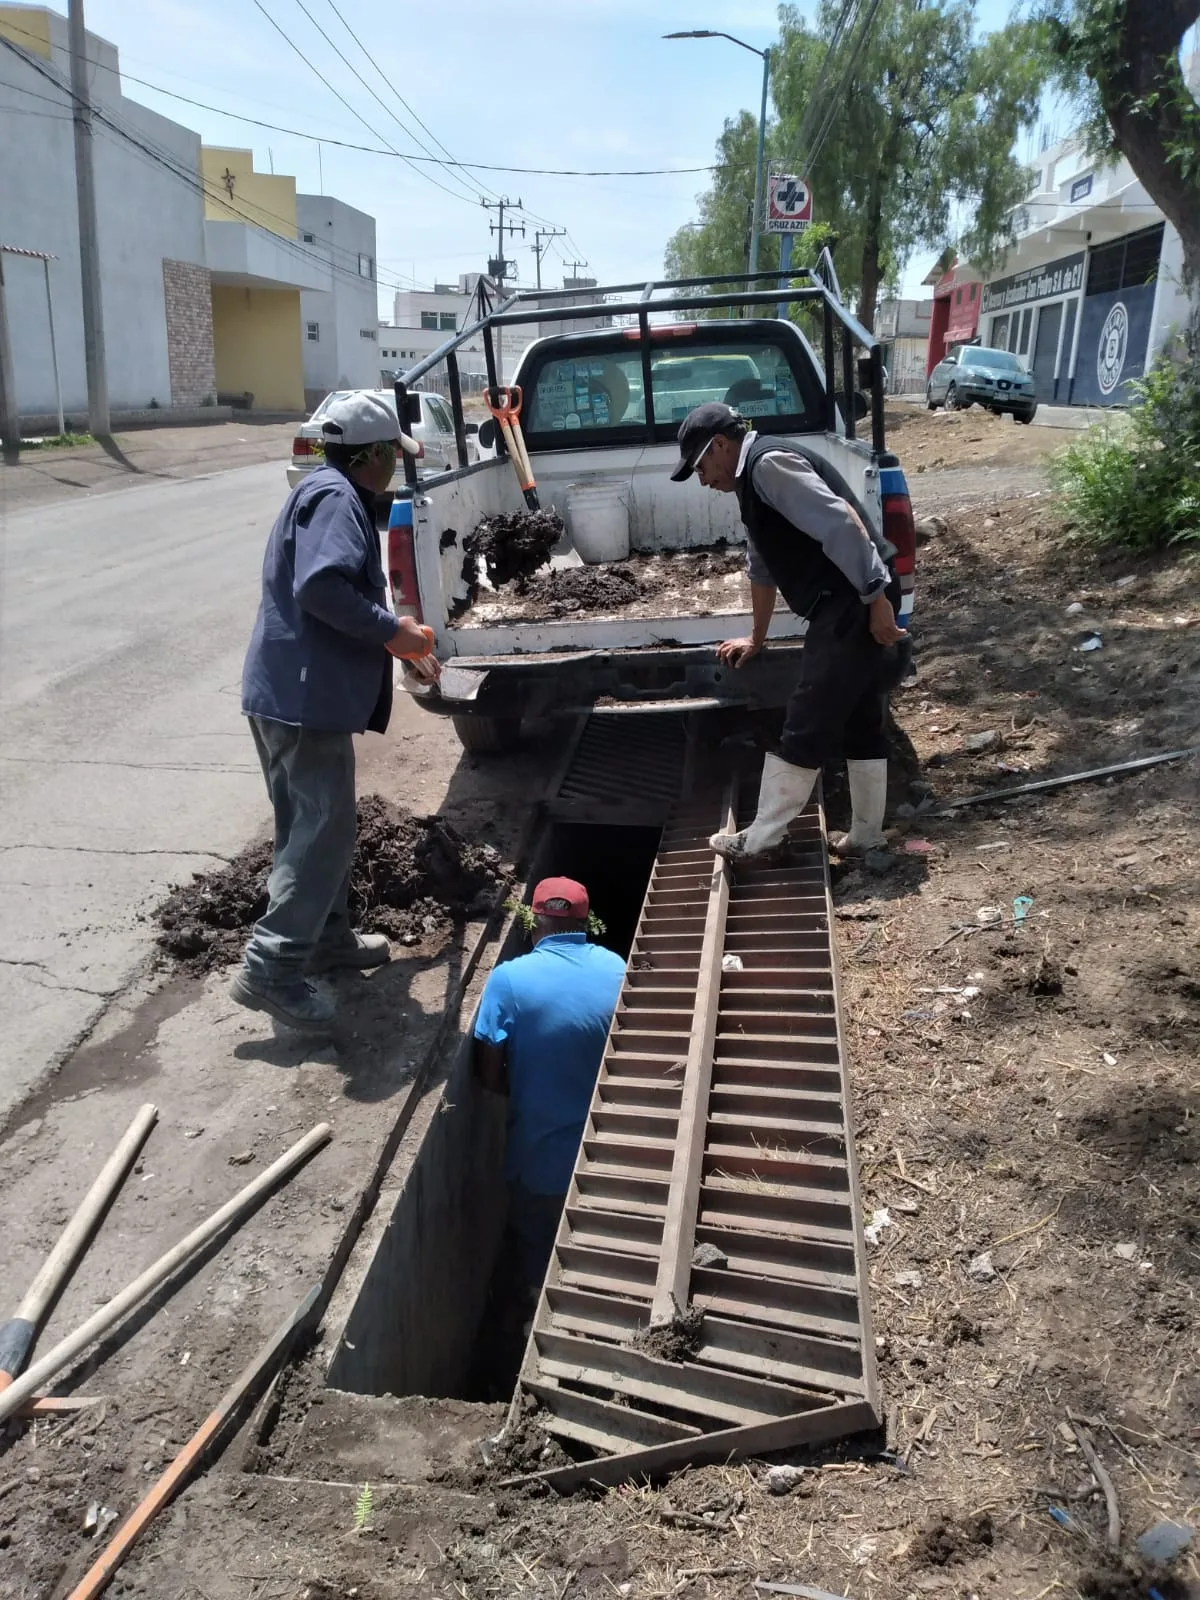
[597, 390]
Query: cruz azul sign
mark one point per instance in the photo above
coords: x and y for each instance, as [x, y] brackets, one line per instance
[1064, 276]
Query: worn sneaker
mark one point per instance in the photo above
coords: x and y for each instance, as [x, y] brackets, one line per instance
[359, 950]
[300, 1005]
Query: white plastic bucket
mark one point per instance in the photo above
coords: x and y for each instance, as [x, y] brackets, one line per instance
[598, 518]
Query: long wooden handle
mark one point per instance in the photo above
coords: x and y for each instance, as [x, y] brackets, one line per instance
[272, 1353]
[108, 1315]
[18, 1335]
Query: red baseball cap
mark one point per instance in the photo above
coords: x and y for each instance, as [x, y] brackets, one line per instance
[560, 897]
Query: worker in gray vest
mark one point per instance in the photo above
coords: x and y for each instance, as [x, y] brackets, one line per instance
[810, 545]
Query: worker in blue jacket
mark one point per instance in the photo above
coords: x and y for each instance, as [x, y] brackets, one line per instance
[318, 671]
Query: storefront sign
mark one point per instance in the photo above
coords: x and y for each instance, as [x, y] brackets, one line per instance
[1060, 277]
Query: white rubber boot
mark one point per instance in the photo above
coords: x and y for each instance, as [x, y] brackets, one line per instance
[868, 800]
[784, 793]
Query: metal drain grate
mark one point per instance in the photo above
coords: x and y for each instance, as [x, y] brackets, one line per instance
[623, 770]
[716, 1173]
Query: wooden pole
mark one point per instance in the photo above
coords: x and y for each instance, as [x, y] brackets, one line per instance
[19, 1333]
[235, 1210]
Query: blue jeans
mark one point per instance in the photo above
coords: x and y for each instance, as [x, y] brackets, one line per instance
[310, 779]
[533, 1220]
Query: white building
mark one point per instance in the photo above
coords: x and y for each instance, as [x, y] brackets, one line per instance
[903, 327]
[203, 262]
[341, 337]
[422, 321]
[1090, 292]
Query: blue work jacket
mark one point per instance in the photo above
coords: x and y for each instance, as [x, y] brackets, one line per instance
[317, 656]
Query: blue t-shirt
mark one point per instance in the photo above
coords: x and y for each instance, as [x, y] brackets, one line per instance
[551, 1010]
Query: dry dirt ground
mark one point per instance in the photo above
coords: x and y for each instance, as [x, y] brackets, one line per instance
[1027, 1112]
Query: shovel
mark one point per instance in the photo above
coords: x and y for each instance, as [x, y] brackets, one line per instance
[505, 406]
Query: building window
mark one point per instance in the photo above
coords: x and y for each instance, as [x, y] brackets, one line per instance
[1026, 326]
[1035, 181]
[1126, 263]
[974, 290]
[367, 333]
[429, 320]
[366, 267]
[1081, 188]
[447, 322]
[309, 238]
[958, 297]
[314, 332]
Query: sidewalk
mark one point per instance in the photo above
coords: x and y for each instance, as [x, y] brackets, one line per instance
[46, 476]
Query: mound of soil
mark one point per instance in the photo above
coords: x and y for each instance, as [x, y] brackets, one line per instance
[571, 589]
[512, 547]
[677, 1340]
[413, 879]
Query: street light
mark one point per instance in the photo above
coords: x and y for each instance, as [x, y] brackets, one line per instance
[713, 33]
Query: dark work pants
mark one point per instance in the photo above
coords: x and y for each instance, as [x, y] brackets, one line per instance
[310, 779]
[839, 707]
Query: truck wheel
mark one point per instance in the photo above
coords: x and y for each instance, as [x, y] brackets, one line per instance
[487, 735]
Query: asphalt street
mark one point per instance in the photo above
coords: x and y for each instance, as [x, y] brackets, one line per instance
[125, 763]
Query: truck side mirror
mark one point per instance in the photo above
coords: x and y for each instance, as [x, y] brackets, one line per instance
[861, 407]
[864, 372]
[487, 433]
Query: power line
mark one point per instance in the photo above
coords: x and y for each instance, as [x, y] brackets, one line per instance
[292, 45]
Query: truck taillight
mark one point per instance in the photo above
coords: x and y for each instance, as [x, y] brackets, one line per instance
[402, 560]
[664, 330]
[900, 530]
[302, 447]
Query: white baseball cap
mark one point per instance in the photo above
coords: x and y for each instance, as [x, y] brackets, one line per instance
[363, 418]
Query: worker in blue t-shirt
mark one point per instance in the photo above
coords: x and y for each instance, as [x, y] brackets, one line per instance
[539, 1039]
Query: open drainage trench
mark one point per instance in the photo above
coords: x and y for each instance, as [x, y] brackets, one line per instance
[426, 1285]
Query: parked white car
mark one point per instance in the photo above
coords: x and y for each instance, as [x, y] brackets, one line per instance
[434, 432]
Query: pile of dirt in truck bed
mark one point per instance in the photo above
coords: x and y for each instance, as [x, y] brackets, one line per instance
[669, 583]
[414, 879]
[511, 547]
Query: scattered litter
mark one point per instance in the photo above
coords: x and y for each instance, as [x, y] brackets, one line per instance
[1000, 844]
[1109, 1059]
[804, 1591]
[1126, 1251]
[242, 1159]
[918, 847]
[192, 1133]
[1123, 583]
[782, 1480]
[975, 742]
[1092, 642]
[989, 916]
[907, 1280]
[1164, 1541]
[980, 1267]
[1022, 906]
[92, 1517]
[185, 1358]
[880, 1221]
[920, 1016]
[731, 964]
[708, 1255]
[1074, 609]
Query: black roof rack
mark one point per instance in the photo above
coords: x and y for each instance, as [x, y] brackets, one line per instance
[642, 300]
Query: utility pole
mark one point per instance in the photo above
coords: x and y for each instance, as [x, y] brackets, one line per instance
[10, 422]
[89, 244]
[574, 267]
[539, 249]
[498, 264]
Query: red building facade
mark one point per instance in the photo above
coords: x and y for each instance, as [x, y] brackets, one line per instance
[957, 294]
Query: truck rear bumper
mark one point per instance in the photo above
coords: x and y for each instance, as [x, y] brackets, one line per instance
[554, 685]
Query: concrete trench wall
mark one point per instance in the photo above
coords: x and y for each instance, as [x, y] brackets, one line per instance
[406, 1316]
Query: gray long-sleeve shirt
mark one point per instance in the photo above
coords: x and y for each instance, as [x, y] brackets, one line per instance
[797, 491]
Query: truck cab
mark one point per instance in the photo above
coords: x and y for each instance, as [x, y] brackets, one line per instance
[602, 409]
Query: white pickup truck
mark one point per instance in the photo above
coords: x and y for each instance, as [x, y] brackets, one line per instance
[603, 408]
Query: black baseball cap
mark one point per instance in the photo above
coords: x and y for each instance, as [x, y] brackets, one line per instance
[698, 430]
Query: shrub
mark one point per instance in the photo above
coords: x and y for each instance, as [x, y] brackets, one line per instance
[1137, 485]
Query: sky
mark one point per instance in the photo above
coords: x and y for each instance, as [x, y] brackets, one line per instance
[583, 84]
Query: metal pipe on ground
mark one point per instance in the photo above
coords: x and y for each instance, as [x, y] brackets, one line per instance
[234, 1210]
[19, 1334]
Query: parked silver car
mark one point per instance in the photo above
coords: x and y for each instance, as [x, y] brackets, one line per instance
[976, 375]
[434, 432]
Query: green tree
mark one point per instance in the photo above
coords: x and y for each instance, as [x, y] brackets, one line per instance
[1120, 61]
[917, 121]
